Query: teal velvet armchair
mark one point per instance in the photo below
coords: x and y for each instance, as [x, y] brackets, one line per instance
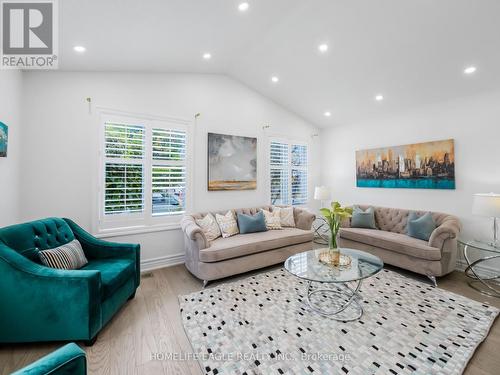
[38, 303]
[68, 360]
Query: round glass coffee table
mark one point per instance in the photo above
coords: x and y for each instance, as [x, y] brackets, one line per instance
[340, 300]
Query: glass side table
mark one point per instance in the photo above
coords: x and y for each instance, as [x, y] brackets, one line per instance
[484, 285]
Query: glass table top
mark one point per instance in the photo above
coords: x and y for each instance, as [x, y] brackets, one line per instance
[307, 266]
[479, 245]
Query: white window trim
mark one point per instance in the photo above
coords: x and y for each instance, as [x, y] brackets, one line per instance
[127, 224]
[290, 142]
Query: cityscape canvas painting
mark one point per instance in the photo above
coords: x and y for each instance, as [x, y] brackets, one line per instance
[232, 162]
[429, 165]
[4, 135]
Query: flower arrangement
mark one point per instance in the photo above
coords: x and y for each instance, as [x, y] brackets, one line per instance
[334, 217]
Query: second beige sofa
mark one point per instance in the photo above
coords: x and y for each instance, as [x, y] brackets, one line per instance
[390, 242]
[243, 252]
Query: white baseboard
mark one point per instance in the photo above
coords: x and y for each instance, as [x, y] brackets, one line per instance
[483, 270]
[161, 262]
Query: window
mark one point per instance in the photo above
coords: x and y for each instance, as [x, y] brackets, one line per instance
[145, 172]
[124, 177]
[288, 173]
[168, 177]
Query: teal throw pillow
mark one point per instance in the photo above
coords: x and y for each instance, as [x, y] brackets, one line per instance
[252, 223]
[363, 219]
[421, 227]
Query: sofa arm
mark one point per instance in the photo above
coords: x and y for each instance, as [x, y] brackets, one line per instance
[69, 359]
[194, 233]
[449, 229]
[303, 218]
[53, 304]
[96, 248]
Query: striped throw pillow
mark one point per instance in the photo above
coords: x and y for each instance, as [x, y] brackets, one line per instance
[66, 257]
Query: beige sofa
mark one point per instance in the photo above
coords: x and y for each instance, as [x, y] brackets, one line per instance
[436, 257]
[243, 252]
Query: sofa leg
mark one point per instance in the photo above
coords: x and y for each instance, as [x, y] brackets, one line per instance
[132, 296]
[91, 341]
[205, 283]
[433, 280]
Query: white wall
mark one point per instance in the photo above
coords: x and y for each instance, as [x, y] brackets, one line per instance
[60, 138]
[10, 106]
[473, 122]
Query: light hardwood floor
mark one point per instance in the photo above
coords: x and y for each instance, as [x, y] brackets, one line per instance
[151, 324]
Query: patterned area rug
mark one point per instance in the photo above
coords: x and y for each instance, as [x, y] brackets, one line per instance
[263, 325]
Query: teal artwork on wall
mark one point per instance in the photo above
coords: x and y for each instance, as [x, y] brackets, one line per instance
[428, 165]
[4, 135]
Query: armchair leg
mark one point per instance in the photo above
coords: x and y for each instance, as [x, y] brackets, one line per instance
[91, 341]
[205, 283]
[433, 280]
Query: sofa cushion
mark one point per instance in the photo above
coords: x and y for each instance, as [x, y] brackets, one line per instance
[227, 224]
[209, 227]
[252, 223]
[114, 273]
[251, 243]
[421, 227]
[363, 218]
[397, 242]
[273, 219]
[65, 257]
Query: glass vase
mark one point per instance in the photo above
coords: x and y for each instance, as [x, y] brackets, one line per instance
[334, 250]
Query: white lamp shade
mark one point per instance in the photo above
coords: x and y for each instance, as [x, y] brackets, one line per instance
[486, 205]
[321, 193]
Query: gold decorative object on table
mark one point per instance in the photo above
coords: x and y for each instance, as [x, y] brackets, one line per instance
[334, 258]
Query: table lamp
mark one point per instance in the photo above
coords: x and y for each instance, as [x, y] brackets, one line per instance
[488, 205]
[321, 193]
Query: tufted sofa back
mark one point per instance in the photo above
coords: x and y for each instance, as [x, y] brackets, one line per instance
[29, 238]
[396, 219]
[247, 211]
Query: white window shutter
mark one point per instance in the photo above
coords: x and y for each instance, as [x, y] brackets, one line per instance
[168, 181]
[279, 167]
[299, 174]
[124, 170]
[288, 173]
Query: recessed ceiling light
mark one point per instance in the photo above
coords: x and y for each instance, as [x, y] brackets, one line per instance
[207, 56]
[274, 79]
[243, 7]
[379, 97]
[79, 49]
[470, 70]
[323, 48]
[327, 114]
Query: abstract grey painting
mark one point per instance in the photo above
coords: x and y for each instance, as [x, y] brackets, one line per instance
[232, 162]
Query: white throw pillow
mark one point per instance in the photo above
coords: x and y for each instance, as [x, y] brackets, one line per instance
[209, 227]
[273, 219]
[286, 216]
[227, 224]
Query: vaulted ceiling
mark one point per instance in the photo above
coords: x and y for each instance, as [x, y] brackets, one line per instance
[411, 52]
